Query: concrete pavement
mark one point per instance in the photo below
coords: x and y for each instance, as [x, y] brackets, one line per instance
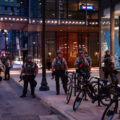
[87, 110]
[12, 107]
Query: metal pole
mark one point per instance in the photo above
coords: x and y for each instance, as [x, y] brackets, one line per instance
[86, 22]
[112, 25]
[43, 86]
[5, 43]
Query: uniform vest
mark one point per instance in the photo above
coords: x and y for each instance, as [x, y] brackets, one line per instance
[59, 64]
[29, 68]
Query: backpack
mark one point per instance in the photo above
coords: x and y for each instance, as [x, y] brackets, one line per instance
[59, 64]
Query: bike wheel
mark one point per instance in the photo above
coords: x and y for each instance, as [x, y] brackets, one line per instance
[110, 111]
[79, 98]
[95, 87]
[106, 100]
[69, 94]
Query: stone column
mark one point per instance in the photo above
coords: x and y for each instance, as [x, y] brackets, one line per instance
[112, 25]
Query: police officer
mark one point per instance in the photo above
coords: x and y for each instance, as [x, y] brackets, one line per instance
[28, 73]
[59, 67]
[88, 59]
[81, 63]
[7, 65]
[108, 65]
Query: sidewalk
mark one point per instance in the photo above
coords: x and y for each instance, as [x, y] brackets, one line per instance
[87, 110]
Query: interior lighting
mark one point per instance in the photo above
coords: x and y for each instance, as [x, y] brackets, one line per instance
[96, 23]
[17, 19]
[76, 22]
[33, 21]
[5, 18]
[79, 22]
[1, 18]
[48, 21]
[73, 22]
[66, 22]
[13, 19]
[25, 19]
[55, 21]
[40, 21]
[83, 23]
[9, 18]
[21, 19]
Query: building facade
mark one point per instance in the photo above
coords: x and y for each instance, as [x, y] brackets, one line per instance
[110, 29]
[71, 25]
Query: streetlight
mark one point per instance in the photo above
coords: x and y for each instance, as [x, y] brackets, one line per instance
[5, 32]
[43, 86]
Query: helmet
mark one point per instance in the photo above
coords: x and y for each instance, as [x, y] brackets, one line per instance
[81, 52]
[107, 51]
[59, 52]
[29, 56]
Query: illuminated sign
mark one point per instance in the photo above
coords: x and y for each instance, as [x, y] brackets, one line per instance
[89, 7]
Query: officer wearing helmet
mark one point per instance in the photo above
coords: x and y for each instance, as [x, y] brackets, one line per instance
[81, 63]
[59, 67]
[28, 73]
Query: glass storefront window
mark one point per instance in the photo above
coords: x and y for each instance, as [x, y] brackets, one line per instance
[50, 8]
[50, 45]
[62, 43]
[72, 48]
[72, 5]
[105, 36]
[72, 15]
[62, 9]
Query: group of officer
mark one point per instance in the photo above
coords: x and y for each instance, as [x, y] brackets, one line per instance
[59, 67]
[82, 64]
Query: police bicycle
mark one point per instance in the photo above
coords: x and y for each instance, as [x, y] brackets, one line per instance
[89, 88]
[74, 82]
[111, 111]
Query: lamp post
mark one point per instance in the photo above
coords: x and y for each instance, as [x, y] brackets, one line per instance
[43, 86]
[5, 35]
[86, 22]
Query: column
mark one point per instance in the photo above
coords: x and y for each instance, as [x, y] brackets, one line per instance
[112, 29]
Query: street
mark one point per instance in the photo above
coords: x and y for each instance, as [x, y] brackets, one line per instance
[12, 107]
[87, 109]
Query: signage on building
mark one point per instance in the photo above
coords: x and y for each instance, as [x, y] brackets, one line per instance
[89, 7]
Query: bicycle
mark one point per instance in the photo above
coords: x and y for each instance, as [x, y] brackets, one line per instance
[70, 86]
[74, 83]
[89, 89]
[112, 109]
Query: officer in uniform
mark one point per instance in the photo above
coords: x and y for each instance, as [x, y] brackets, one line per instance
[7, 69]
[81, 63]
[28, 73]
[108, 65]
[59, 67]
[88, 59]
